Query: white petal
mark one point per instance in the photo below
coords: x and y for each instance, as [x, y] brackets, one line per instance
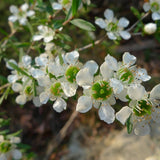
[106, 71]
[12, 18]
[136, 92]
[146, 7]
[1, 138]
[106, 113]
[13, 9]
[111, 36]
[26, 60]
[112, 62]
[125, 35]
[56, 69]
[101, 23]
[69, 88]
[44, 81]
[23, 21]
[56, 6]
[59, 105]
[36, 73]
[116, 85]
[10, 61]
[156, 16]
[30, 13]
[12, 78]
[15, 140]
[16, 154]
[41, 61]
[108, 13]
[37, 102]
[111, 100]
[150, 28]
[24, 7]
[142, 75]
[44, 97]
[37, 37]
[48, 38]
[123, 22]
[3, 157]
[142, 128]
[128, 59]
[155, 95]
[122, 95]
[72, 57]
[84, 104]
[92, 66]
[21, 99]
[123, 114]
[84, 78]
[17, 87]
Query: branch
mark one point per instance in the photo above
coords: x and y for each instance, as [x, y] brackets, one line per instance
[54, 143]
[66, 22]
[92, 44]
[144, 16]
[5, 86]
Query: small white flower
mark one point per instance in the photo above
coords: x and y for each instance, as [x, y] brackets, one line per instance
[150, 28]
[20, 14]
[114, 27]
[45, 33]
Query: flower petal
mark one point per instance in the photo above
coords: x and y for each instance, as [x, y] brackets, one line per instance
[12, 18]
[26, 60]
[13, 9]
[17, 87]
[56, 6]
[155, 16]
[21, 99]
[59, 105]
[112, 62]
[123, 114]
[111, 36]
[142, 128]
[106, 113]
[128, 59]
[146, 7]
[16, 154]
[24, 7]
[72, 57]
[36, 101]
[44, 97]
[125, 35]
[92, 66]
[116, 85]
[108, 14]
[123, 22]
[37, 37]
[141, 74]
[84, 104]
[106, 71]
[30, 13]
[101, 23]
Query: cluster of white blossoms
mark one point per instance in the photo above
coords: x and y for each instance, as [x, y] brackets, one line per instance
[113, 26]
[57, 78]
[154, 7]
[8, 148]
[20, 14]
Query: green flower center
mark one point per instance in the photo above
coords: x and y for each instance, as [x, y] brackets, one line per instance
[28, 90]
[113, 26]
[125, 75]
[5, 147]
[101, 90]
[143, 107]
[71, 73]
[155, 6]
[64, 2]
[56, 89]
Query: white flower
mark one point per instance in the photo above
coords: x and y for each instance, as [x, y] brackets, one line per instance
[45, 33]
[154, 6]
[150, 28]
[20, 14]
[114, 27]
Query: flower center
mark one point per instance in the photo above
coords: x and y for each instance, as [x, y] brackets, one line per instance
[64, 2]
[28, 90]
[101, 90]
[143, 107]
[155, 6]
[125, 75]
[56, 89]
[71, 73]
[112, 26]
[5, 147]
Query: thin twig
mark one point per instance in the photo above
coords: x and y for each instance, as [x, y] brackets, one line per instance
[54, 143]
[5, 86]
[145, 15]
[29, 49]
[92, 44]
[66, 22]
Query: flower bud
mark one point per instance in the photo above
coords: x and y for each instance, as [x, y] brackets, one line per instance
[150, 28]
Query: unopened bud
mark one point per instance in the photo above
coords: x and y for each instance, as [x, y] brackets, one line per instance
[150, 28]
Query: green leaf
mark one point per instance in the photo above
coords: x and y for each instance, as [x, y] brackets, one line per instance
[61, 58]
[34, 88]
[136, 12]
[68, 14]
[85, 25]
[129, 125]
[15, 134]
[3, 32]
[14, 66]
[75, 6]
[3, 80]
[57, 23]
[4, 122]
[5, 95]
